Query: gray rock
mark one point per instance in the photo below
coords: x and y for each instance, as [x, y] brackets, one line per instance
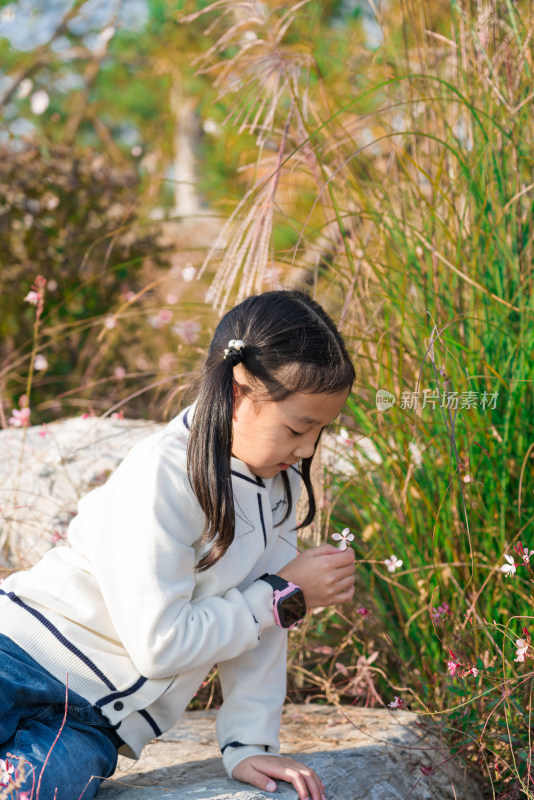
[359, 753]
[43, 476]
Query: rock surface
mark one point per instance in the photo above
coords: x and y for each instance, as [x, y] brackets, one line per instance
[45, 470]
[359, 753]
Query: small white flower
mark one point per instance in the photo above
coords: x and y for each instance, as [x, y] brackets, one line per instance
[51, 202]
[25, 87]
[211, 127]
[392, 563]
[40, 362]
[397, 702]
[6, 772]
[522, 647]
[344, 438]
[509, 568]
[188, 273]
[416, 454]
[527, 555]
[39, 101]
[345, 536]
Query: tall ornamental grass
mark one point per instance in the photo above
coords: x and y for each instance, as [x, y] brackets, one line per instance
[396, 181]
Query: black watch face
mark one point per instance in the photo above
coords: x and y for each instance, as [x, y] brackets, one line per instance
[292, 608]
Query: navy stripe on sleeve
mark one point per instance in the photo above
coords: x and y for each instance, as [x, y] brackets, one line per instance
[232, 744]
[151, 721]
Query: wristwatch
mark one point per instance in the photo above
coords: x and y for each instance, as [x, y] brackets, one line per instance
[289, 606]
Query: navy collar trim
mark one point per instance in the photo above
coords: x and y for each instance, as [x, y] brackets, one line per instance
[257, 482]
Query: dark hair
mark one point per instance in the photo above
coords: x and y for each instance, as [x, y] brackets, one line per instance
[291, 345]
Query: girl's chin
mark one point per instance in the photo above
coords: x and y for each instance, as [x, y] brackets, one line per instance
[268, 472]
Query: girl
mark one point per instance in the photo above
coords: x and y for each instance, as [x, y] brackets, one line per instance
[184, 559]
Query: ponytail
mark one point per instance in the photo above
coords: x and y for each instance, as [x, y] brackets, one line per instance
[290, 345]
[209, 451]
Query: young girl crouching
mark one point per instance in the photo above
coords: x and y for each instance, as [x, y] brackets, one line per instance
[187, 557]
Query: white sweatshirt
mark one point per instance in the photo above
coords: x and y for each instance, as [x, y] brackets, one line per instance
[123, 614]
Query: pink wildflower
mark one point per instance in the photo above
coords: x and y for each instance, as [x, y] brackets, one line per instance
[452, 666]
[440, 611]
[165, 315]
[397, 702]
[36, 294]
[44, 431]
[363, 611]
[523, 552]
[20, 417]
[188, 330]
[117, 415]
[6, 772]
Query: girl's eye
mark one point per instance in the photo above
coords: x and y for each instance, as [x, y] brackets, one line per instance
[296, 433]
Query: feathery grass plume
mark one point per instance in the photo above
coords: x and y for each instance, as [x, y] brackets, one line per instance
[266, 76]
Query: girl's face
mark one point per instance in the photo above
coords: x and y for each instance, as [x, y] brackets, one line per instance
[270, 435]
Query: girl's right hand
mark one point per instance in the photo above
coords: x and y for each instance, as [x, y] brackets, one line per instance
[325, 574]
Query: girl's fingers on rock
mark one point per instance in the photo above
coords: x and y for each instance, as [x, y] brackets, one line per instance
[306, 782]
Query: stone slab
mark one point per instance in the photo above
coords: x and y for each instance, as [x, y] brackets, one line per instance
[359, 753]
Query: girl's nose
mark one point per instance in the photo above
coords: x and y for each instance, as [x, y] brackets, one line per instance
[305, 447]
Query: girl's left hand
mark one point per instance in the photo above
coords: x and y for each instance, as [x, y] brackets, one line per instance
[260, 770]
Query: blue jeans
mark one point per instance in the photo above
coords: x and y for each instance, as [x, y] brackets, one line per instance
[32, 708]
